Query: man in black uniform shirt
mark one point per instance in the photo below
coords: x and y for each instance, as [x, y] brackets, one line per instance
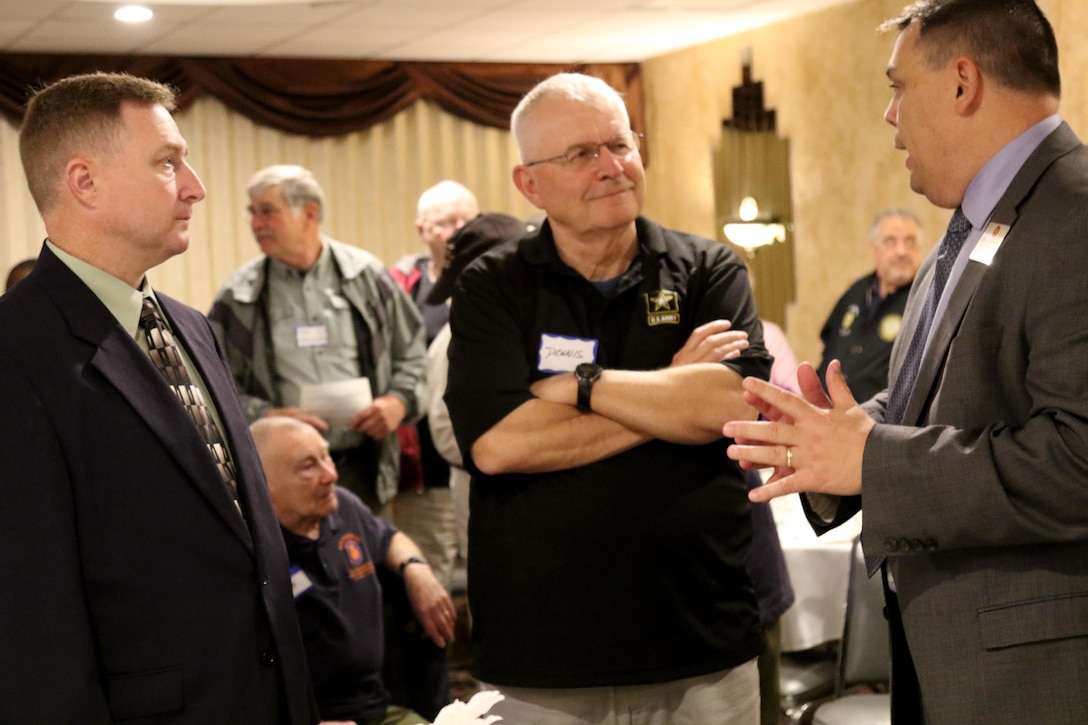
[865, 322]
[592, 364]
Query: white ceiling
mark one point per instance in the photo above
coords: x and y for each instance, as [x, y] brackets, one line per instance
[540, 31]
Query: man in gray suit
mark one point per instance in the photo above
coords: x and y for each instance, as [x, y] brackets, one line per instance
[974, 463]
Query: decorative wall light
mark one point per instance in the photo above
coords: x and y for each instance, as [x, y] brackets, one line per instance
[753, 162]
[752, 232]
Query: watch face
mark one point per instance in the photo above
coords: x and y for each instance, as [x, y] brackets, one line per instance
[588, 371]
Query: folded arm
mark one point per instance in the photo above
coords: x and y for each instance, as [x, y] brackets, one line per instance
[685, 403]
[540, 436]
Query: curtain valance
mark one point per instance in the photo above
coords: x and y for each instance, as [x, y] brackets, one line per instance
[318, 97]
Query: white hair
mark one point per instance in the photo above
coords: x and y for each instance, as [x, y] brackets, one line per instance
[572, 86]
[445, 192]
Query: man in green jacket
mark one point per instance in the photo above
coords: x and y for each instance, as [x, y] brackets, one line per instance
[312, 311]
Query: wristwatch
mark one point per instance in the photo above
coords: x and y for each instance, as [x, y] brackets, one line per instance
[411, 560]
[586, 374]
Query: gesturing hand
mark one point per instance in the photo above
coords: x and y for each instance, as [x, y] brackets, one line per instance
[814, 443]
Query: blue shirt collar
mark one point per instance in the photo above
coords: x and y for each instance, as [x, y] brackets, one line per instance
[991, 182]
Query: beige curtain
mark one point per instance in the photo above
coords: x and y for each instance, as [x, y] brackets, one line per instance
[371, 179]
[21, 230]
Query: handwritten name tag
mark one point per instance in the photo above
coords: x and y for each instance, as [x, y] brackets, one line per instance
[560, 354]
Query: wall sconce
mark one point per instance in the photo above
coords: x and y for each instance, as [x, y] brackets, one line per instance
[751, 232]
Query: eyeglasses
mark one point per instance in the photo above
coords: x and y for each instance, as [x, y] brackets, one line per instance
[581, 156]
[264, 210]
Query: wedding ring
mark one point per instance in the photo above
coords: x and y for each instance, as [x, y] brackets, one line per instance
[789, 457]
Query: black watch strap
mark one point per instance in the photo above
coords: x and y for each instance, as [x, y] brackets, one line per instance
[411, 560]
[586, 374]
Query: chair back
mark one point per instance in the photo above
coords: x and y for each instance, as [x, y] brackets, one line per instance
[865, 649]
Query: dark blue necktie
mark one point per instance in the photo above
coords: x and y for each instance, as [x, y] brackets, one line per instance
[958, 229]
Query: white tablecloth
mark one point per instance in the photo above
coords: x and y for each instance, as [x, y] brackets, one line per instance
[819, 570]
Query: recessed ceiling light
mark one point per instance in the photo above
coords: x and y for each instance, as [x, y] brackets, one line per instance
[133, 14]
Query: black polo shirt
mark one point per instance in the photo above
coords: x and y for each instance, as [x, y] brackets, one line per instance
[629, 570]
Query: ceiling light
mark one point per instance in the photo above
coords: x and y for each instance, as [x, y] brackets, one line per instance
[133, 14]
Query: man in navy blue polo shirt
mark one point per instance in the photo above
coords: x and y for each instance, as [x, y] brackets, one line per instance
[334, 544]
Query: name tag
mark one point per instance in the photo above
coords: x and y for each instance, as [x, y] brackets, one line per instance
[989, 243]
[307, 336]
[560, 354]
[300, 583]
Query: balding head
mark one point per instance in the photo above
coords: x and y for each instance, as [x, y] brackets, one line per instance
[301, 475]
[442, 210]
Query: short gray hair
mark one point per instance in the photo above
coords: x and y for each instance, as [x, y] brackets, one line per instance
[898, 212]
[572, 86]
[299, 186]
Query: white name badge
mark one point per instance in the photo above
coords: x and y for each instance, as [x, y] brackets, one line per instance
[560, 354]
[989, 243]
[300, 583]
[307, 336]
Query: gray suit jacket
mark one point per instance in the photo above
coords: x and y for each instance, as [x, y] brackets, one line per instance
[979, 502]
[133, 590]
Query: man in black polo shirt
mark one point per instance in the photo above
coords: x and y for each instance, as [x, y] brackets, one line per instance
[592, 365]
[334, 544]
[861, 329]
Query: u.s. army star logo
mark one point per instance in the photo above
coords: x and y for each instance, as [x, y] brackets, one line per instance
[662, 308]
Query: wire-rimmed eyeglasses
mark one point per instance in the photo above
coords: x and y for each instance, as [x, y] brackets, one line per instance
[581, 156]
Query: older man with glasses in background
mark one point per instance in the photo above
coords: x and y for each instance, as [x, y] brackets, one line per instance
[591, 365]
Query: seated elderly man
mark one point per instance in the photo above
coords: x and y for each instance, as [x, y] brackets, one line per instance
[334, 543]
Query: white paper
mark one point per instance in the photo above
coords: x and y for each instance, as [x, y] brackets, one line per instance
[335, 403]
[473, 712]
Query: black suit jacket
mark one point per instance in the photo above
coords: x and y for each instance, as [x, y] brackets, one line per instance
[133, 590]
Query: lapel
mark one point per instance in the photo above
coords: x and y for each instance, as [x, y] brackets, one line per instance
[941, 339]
[124, 365]
[1062, 141]
[192, 329]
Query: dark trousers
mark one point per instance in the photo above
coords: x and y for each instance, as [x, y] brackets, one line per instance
[906, 693]
[414, 670]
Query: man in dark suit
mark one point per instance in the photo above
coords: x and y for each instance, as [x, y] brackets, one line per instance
[973, 463]
[145, 579]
